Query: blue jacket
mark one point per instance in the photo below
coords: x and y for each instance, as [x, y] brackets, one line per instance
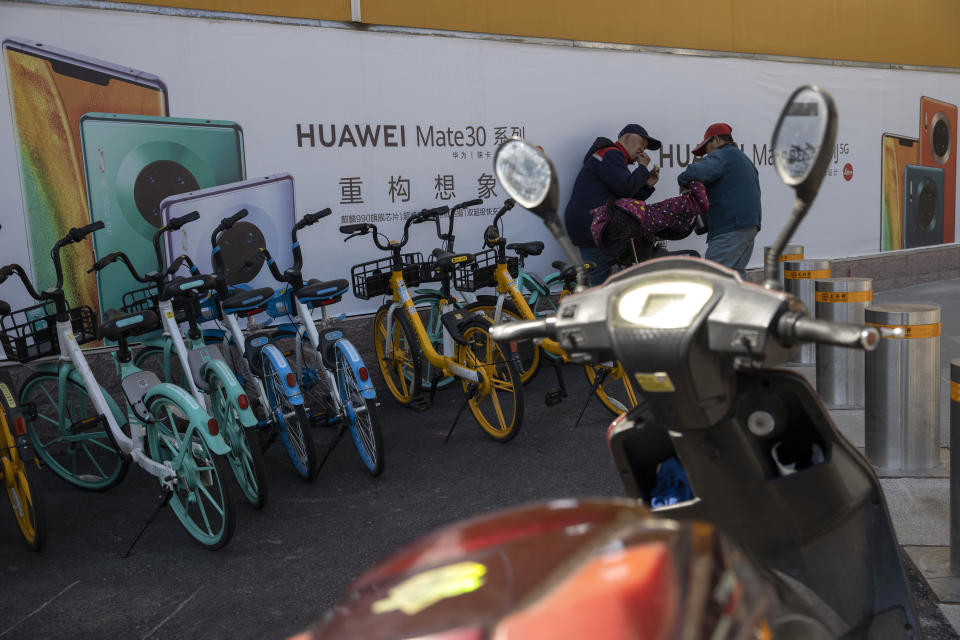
[604, 175]
[733, 189]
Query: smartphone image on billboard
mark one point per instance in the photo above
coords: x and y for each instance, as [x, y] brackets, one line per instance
[50, 90]
[132, 163]
[269, 201]
[938, 148]
[896, 153]
[922, 206]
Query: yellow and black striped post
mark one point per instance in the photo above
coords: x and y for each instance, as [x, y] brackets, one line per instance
[798, 279]
[791, 252]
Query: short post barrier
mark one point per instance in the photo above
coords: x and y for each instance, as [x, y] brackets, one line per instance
[955, 467]
[840, 371]
[791, 252]
[798, 278]
[902, 389]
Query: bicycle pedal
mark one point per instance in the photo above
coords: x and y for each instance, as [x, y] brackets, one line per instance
[418, 403]
[553, 397]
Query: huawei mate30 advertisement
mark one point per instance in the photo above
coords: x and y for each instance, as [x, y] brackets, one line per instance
[130, 118]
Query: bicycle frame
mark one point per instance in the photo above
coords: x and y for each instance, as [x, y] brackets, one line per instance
[507, 286]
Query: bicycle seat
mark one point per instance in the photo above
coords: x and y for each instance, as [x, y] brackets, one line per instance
[118, 325]
[4, 308]
[526, 249]
[188, 285]
[447, 260]
[322, 290]
[246, 300]
[568, 272]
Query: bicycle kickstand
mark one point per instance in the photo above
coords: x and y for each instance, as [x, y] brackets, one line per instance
[598, 380]
[165, 494]
[333, 445]
[556, 396]
[466, 399]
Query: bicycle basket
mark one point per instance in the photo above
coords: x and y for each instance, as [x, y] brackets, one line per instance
[372, 279]
[481, 273]
[146, 298]
[31, 333]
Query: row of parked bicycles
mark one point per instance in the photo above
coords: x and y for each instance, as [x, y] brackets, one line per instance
[208, 385]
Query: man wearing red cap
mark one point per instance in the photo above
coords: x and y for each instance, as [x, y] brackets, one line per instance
[733, 189]
[604, 175]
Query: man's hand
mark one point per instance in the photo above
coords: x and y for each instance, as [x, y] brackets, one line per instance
[643, 159]
[654, 176]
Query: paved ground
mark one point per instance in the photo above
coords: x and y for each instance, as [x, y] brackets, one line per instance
[289, 562]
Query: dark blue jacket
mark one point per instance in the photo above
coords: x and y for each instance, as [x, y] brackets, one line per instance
[733, 189]
[604, 175]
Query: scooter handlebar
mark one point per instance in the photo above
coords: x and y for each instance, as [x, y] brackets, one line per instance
[510, 331]
[795, 327]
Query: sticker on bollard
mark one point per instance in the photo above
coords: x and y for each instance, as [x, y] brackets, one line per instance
[844, 296]
[798, 279]
[910, 330]
[806, 275]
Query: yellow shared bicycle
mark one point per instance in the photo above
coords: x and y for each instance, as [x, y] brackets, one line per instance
[489, 377]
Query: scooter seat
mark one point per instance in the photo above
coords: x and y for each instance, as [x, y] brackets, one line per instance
[124, 325]
[246, 300]
[188, 285]
[526, 249]
[322, 290]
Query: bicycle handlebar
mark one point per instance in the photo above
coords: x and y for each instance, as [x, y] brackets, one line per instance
[363, 228]
[174, 224]
[305, 221]
[74, 235]
[15, 269]
[225, 224]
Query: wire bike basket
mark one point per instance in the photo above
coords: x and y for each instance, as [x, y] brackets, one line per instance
[31, 333]
[372, 279]
[482, 272]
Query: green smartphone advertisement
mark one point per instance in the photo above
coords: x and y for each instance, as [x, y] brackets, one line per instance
[131, 164]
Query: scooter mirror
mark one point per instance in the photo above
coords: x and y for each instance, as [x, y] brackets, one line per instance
[803, 139]
[530, 178]
[802, 145]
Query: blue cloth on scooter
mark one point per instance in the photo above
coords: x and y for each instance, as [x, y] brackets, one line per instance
[672, 485]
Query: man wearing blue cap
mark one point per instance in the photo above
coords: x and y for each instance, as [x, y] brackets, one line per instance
[604, 175]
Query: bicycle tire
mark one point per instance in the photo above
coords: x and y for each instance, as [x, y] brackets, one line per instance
[291, 420]
[428, 306]
[505, 389]
[245, 457]
[398, 356]
[615, 380]
[364, 421]
[22, 481]
[201, 498]
[86, 459]
[528, 352]
[316, 389]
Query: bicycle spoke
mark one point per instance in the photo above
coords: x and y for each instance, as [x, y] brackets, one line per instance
[94, 461]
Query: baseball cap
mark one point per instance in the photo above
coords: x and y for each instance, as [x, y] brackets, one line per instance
[717, 129]
[652, 143]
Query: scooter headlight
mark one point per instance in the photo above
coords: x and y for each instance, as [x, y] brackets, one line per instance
[664, 305]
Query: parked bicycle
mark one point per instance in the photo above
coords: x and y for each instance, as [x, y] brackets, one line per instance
[332, 374]
[190, 363]
[84, 437]
[489, 378]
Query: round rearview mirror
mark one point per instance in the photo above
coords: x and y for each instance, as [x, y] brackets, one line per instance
[804, 135]
[524, 171]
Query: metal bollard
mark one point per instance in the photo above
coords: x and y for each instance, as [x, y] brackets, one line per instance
[955, 465]
[840, 373]
[798, 277]
[790, 252]
[902, 392]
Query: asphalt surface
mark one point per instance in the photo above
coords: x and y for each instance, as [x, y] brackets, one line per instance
[288, 563]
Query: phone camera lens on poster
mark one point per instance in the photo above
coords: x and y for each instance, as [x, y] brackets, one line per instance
[240, 246]
[939, 130]
[156, 181]
[927, 205]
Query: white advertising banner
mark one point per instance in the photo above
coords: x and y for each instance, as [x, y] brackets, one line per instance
[378, 125]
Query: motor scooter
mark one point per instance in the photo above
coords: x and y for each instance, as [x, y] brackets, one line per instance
[770, 473]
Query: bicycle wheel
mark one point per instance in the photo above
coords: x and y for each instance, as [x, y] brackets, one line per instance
[498, 408]
[201, 498]
[530, 358]
[245, 457]
[428, 307]
[151, 359]
[68, 438]
[398, 355]
[363, 415]
[22, 481]
[615, 390]
[293, 423]
[315, 386]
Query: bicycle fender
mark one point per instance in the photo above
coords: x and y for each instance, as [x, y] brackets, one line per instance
[535, 282]
[52, 368]
[12, 411]
[217, 367]
[364, 383]
[279, 362]
[214, 333]
[195, 413]
[453, 322]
